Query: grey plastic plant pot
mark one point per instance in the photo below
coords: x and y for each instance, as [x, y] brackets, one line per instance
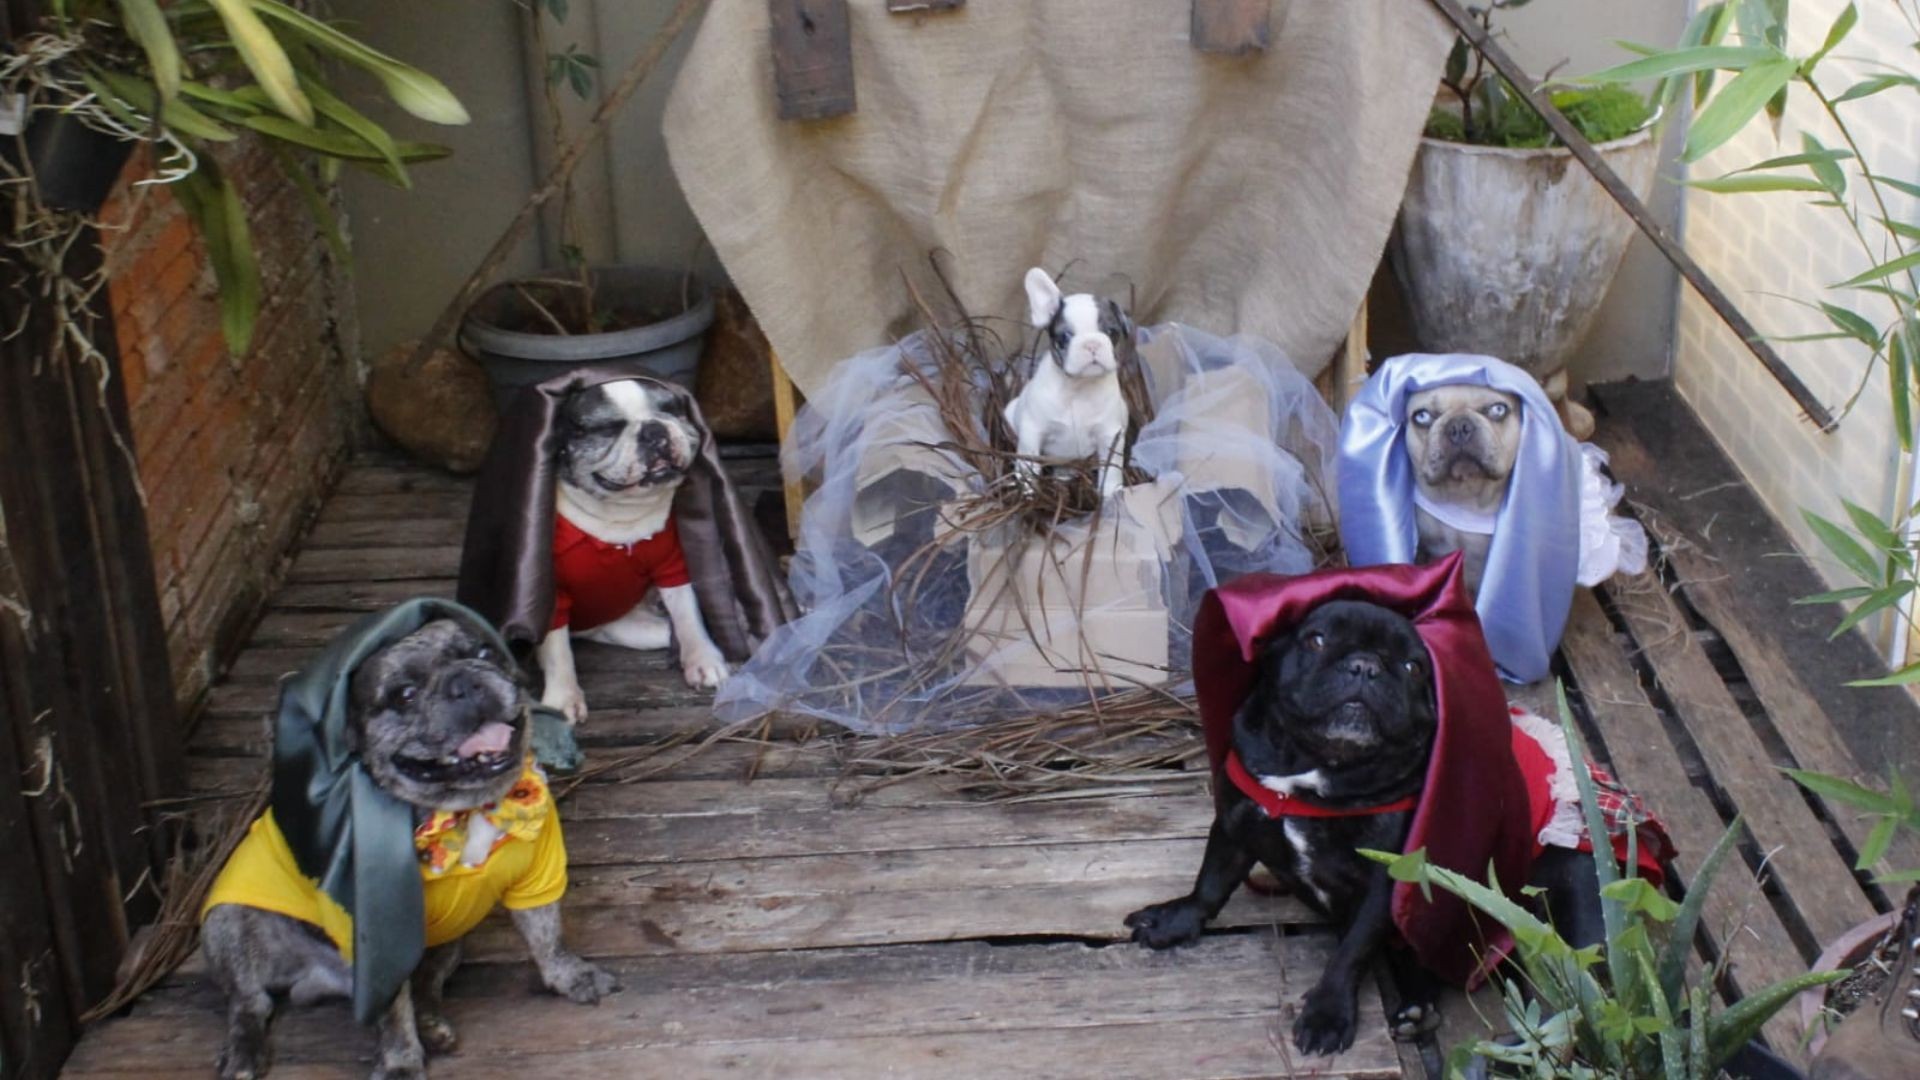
[500, 330]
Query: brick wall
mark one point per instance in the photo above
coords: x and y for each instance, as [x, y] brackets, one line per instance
[234, 452]
[1763, 249]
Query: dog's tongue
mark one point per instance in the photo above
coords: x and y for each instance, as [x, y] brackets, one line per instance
[494, 738]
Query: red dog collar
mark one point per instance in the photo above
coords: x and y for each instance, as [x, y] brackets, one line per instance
[1276, 805]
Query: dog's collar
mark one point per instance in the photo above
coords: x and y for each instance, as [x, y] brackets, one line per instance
[1275, 805]
[1467, 521]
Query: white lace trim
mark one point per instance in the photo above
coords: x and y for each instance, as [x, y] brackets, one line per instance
[1568, 825]
[1609, 543]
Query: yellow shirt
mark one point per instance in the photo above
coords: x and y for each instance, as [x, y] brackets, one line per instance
[520, 874]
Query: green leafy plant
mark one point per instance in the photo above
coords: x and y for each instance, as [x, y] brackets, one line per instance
[1628, 1008]
[1488, 111]
[1875, 308]
[1891, 810]
[191, 76]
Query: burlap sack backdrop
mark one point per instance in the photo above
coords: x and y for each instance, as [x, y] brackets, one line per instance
[1249, 195]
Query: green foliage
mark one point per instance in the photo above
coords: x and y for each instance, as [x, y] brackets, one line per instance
[194, 73]
[1487, 110]
[1626, 1009]
[1748, 39]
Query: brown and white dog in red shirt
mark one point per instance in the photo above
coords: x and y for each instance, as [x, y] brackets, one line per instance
[622, 456]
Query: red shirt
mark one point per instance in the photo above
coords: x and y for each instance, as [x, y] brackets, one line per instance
[595, 582]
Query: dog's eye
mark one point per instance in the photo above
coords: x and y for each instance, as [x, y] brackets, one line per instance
[401, 696]
[1422, 417]
[1498, 411]
[1316, 641]
[484, 652]
[1061, 341]
[1411, 667]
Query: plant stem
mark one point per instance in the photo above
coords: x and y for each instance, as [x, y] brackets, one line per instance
[636, 74]
[572, 246]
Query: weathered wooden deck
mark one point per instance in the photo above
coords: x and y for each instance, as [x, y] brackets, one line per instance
[763, 928]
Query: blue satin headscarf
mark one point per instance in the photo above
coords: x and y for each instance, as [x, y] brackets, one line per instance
[1527, 589]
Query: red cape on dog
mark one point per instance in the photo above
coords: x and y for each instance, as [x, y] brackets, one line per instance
[1475, 812]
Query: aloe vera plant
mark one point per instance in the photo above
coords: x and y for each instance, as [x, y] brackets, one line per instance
[1628, 1008]
[190, 75]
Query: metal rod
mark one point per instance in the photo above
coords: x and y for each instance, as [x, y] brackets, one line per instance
[1588, 157]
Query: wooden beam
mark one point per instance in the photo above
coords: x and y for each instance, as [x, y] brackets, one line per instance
[812, 58]
[1232, 27]
[785, 406]
[910, 7]
[1584, 152]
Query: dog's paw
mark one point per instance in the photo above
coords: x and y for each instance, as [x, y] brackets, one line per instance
[705, 669]
[401, 1068]
[566, 697]
[1328, 1017]
[242, 1062]
[437, 1033]
[582, 982]
[1162, 926]
[1414, 1019]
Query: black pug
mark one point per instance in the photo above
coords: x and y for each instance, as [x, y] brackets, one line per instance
[439, 721]
[1341, 712]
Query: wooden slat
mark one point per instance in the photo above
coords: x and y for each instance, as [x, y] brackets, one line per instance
[1803, 861]
[397, 506]
[1218, 1009]
[376, 476]
[425, 532]
[812, 58]
[1082, 891]
[1743, 620]
[355, 565]
[1737, 915]
[1232, 27]
[358, 595]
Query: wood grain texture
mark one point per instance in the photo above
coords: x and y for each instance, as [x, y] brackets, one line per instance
[1737, 917]
[812, 58]
[1232, 27]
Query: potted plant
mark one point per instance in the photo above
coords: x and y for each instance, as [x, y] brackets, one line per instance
[574, 315]
[97, 77]
[1630, 1007]
[1505, 246]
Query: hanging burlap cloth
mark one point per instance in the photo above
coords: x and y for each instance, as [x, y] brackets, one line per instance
[1238, 194]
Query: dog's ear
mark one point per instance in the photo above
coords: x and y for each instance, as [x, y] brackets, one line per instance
[1117, 316]
[1043, 297]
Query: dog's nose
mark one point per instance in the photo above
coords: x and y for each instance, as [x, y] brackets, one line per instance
[459, 685]
[1459, 431]
[653, 435]
[1362, 665]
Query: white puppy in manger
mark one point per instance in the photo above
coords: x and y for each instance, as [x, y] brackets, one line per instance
[1072, 408]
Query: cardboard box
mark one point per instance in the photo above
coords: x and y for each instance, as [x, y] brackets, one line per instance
[1084, 606]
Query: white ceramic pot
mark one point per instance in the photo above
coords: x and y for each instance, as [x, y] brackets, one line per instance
[1509, 252]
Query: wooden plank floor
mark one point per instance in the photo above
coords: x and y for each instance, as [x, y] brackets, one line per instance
[767, 928]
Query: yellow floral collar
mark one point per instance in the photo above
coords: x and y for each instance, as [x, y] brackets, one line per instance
[461, 840]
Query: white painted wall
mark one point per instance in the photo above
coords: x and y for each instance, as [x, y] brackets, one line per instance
[1765, 248]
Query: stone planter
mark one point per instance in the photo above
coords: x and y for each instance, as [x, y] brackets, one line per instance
[1509, 252]
[1847, 951]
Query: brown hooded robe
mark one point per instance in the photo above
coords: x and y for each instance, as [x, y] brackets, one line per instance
[506, 566]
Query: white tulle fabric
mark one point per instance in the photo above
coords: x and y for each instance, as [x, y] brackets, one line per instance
[1240, 449]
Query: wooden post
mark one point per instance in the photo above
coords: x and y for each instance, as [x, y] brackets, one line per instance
[812, 58]
[785, 405]
[1232, 27]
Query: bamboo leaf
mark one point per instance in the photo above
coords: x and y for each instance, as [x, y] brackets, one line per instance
[1885, 269]
[1880, 600]
[1825, 169]
[1808, 158]
[1854, 325]
[1900, 228]
[264, 57]
[412, 89]
[1739, 102]
[1906, 676]
[1844, 547]
[1868, 524]
[1842, 26]
[1738, 184]
[1687, 61]
[1837, 596]
[1877, 842]
[1870, 86]
[1900, 186]
[1899, 375]
[148, 28]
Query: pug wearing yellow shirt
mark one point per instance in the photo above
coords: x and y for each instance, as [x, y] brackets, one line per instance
[405, 808]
